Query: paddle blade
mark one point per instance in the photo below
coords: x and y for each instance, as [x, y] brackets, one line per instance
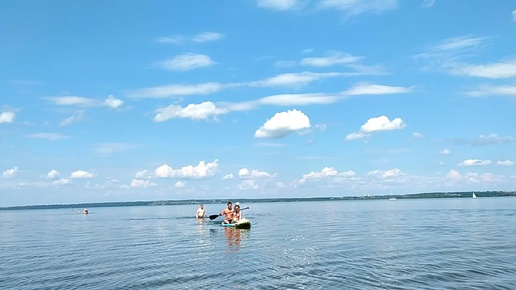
[214, 216]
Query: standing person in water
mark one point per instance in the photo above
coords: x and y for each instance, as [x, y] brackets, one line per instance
[201, 212]
[228, 213]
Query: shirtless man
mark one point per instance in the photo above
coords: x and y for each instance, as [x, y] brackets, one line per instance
[228, 213]
[201, 212]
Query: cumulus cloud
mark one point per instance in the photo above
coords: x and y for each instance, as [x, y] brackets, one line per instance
[474, 177]
[385, 174]
[180, 184]
[187, 61]
[140, 183]
[81, 174]
[282, 124]
[176, 90]
[474, 162]
[10, 172]
[202, 170]
[143, 174]
[6, 117]
[228, 176]
[377, 124]
[52, 174]
[326, 172]
[113, 102]
[505, 163]
[453, 175]
[248, 184]
[356, 7]
[280, 5]
[245, 173]
[61, 181]
[445, 152]
[200, 111]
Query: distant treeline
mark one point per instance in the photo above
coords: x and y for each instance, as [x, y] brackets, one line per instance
[467, 194]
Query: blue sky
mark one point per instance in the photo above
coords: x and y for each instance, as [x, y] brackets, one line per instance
[131, 100]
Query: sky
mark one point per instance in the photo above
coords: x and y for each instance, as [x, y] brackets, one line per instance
[167, 100]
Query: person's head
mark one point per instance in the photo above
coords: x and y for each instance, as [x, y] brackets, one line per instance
[202, 205]
[230, 205]
[237, 207]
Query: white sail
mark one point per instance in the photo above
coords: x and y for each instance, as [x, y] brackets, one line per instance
[474, 195]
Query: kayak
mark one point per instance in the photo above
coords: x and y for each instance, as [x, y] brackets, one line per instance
[241, 224]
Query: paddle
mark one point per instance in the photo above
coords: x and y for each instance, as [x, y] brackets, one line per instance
[214, 216]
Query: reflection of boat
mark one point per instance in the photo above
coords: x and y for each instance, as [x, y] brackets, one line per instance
[241, 224]
[474, 195]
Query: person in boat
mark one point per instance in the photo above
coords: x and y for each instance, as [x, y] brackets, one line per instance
[238, 213]
[201, 212]
[228, 213]
[85, 211]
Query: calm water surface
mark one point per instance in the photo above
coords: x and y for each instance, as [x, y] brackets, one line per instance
[402, 244]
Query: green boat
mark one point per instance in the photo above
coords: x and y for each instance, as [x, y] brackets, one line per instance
[241, 224]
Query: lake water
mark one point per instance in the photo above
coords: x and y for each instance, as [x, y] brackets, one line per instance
[402, 244]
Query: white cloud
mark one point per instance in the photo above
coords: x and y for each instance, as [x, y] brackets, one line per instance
[453, 175]
[377, 124]
[207, 37]
[245, 173]
[200, 38]
[113, 102]
[6, 117]
[505, 163]
[497, 70]
[180, 184]
[247, 184]
[140, 183]
[458, 43]
[10, 172]
[202, 170]
[385, 174]
[61, 181]
[374, 89]
[81, 174]
[187, 61]
[72, 101]
[417, 135]
[280, 5]
[295, 79]
[334, 58]
[143, 174]
[487, 90]
[48, 136]
[492, 139]
[474, 177]
[474, 162]
[200, 111]
[326, 172]
[356, 7]
[228, 176]
[514, 15]
[445, 152]
[77, 116]
[298, 99]
[175, 90]
[52, 174]
[282, 124]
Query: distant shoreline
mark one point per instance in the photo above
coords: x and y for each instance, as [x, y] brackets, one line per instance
[467, 194]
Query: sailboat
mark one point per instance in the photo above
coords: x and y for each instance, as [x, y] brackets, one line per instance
[474, 195]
